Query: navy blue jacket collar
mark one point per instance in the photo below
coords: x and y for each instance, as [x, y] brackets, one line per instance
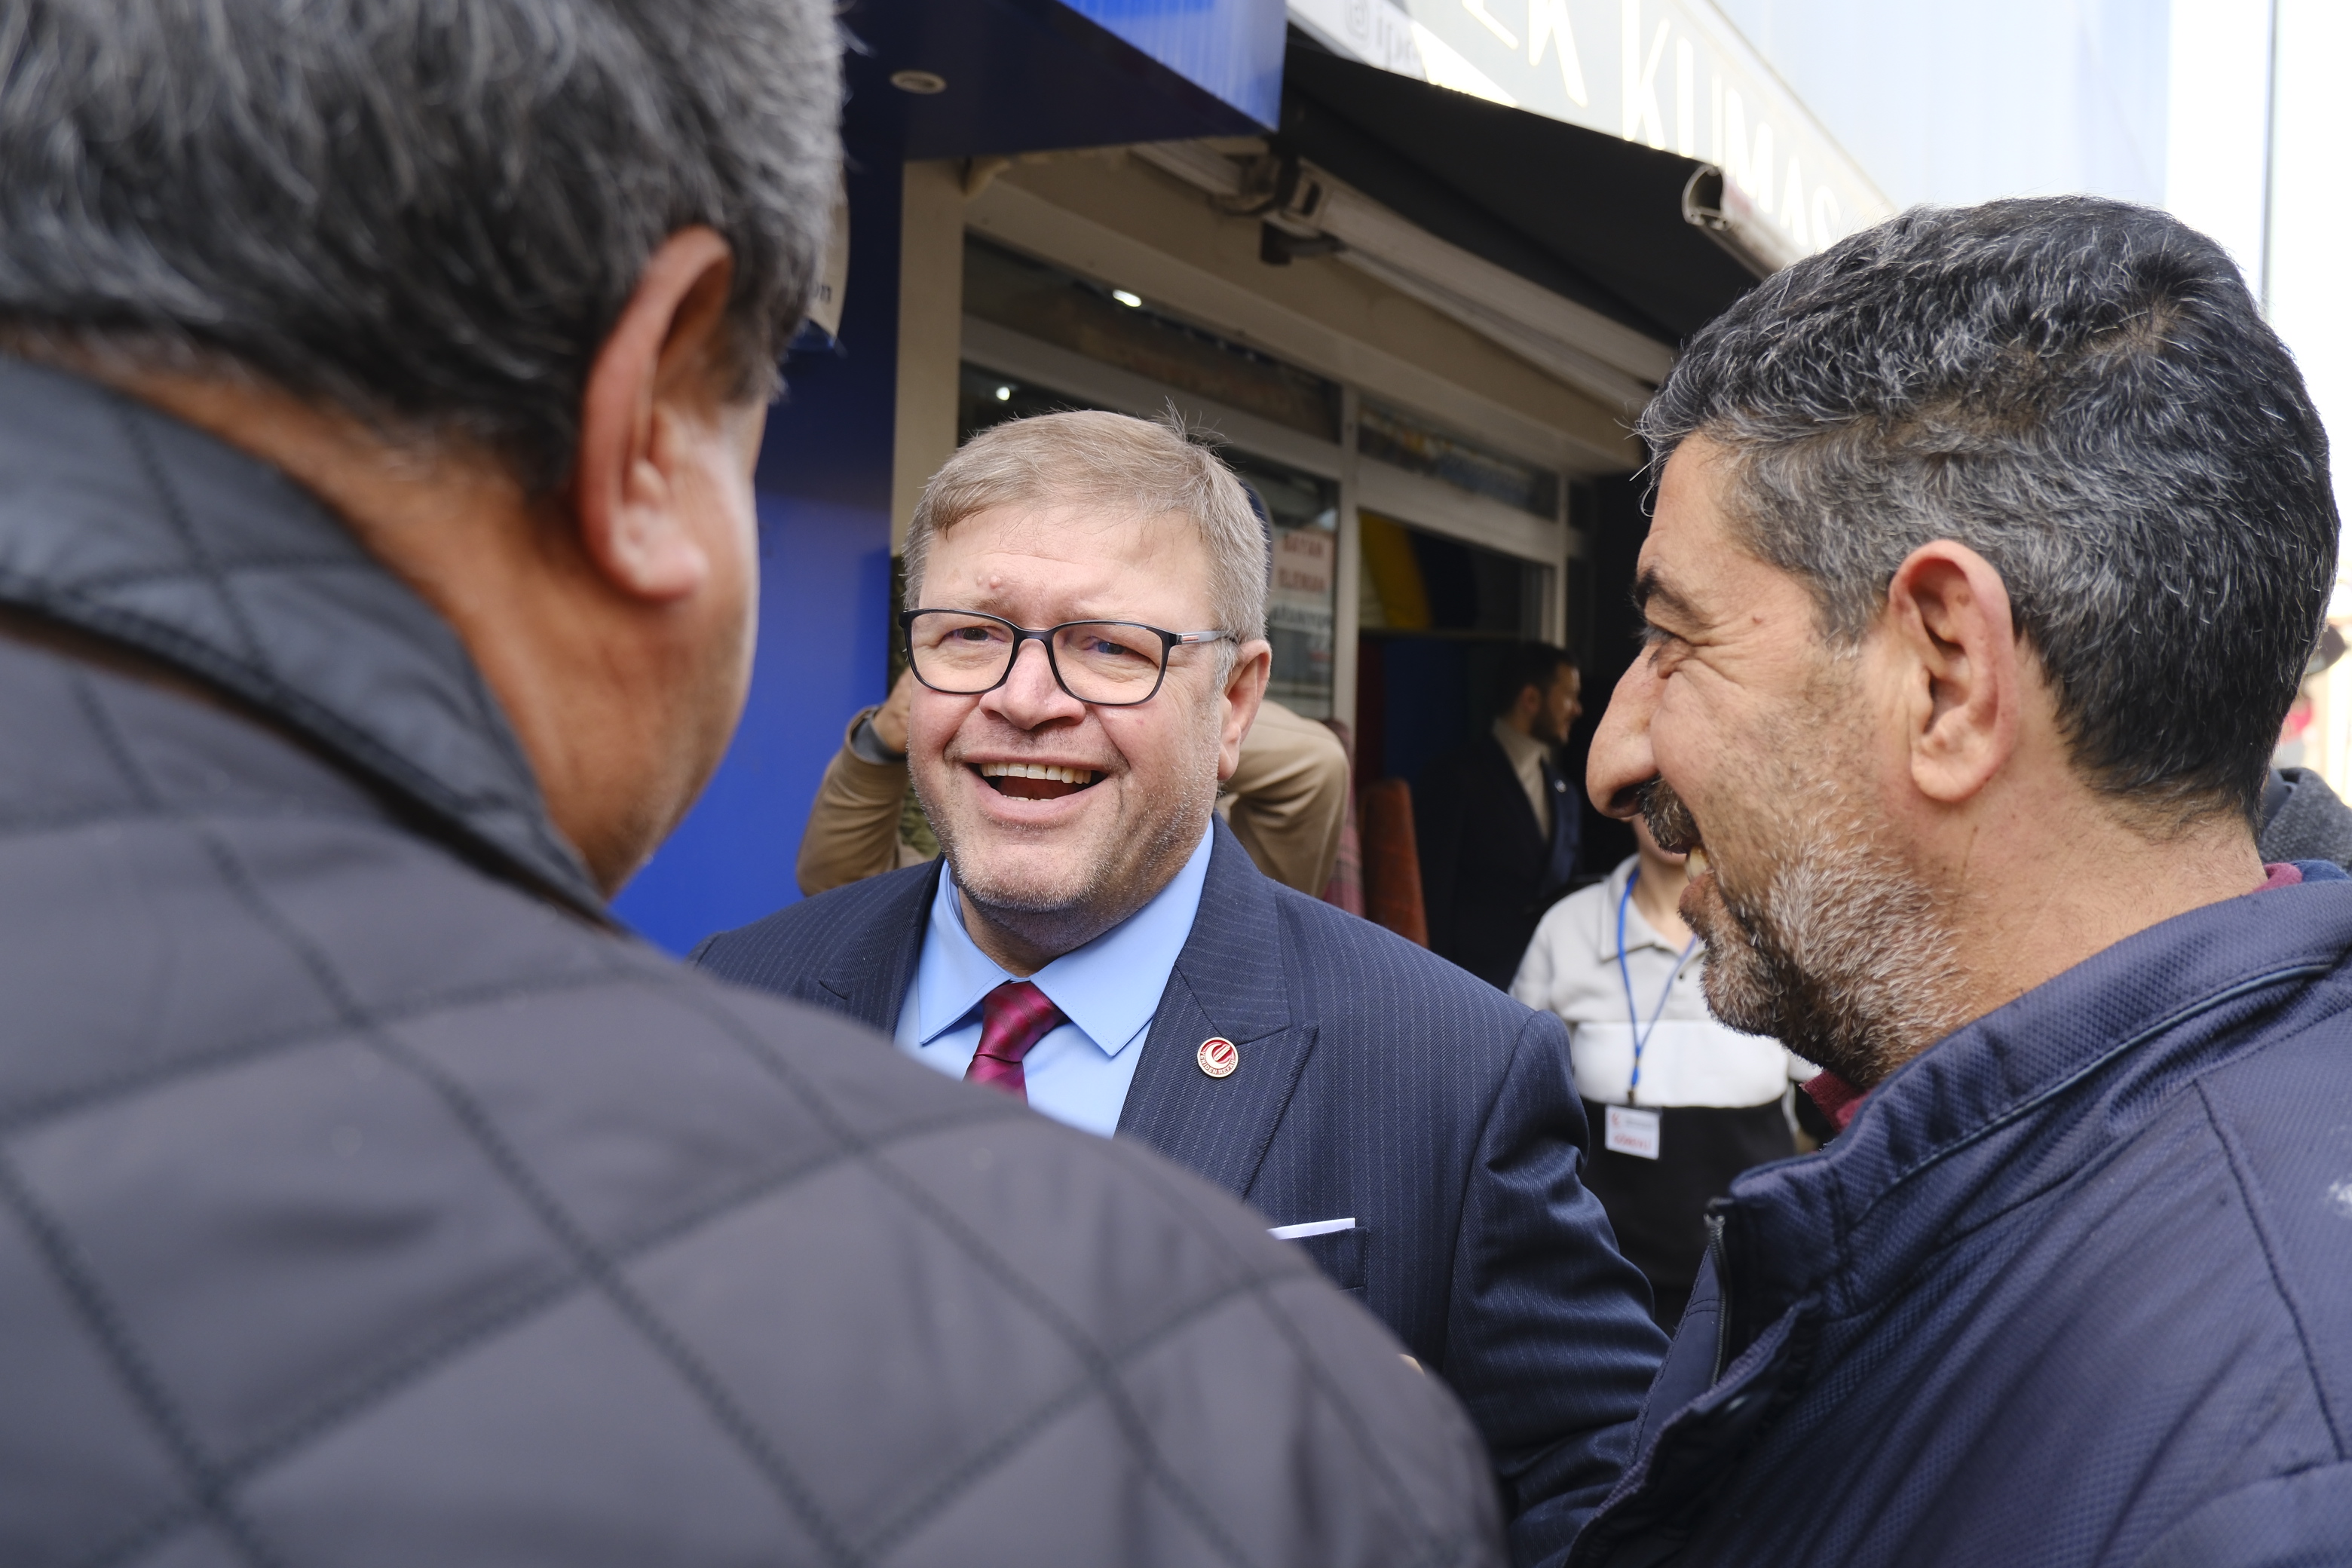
[128, 525]
[870, 978]
[2018, 1099]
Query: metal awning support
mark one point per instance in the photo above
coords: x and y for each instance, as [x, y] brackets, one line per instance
[1722, 212]
[1301, 200]
[1588, 256]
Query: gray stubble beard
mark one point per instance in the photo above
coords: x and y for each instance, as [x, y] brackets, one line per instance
[1839, 951]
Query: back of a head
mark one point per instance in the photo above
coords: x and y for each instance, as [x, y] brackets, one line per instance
[2082, 391]
[428, 214]
[1119, 465]
[421, 1223]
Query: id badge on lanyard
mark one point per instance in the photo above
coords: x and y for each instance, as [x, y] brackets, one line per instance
[1632, 1130]
[1629, 1129]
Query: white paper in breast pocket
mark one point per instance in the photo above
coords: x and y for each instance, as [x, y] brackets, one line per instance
[1631, 1131]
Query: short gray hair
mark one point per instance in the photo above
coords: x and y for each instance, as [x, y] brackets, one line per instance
[1128, 467]
[427, 212]
[2081, 390]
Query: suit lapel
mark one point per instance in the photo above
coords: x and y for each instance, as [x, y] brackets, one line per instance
[1562, 867]
[1510, 797]
[1228, 982]
[869, 976]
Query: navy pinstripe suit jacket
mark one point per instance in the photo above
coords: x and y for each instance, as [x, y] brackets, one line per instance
[1376, 1081]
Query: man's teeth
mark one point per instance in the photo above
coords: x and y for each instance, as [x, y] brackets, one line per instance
[1037, 771]
[1697, 861]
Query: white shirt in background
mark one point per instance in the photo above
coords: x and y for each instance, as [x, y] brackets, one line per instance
[1690, 1059]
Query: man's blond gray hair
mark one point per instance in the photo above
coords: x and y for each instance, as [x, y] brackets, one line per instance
[1117, 465]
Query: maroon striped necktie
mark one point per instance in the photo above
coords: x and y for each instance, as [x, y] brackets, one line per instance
[1013, 1017]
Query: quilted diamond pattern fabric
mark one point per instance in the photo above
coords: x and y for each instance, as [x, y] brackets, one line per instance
[367, 1198]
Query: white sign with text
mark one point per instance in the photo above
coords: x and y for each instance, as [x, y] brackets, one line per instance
[1670, 74]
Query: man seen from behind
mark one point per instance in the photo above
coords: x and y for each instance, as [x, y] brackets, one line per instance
[380, 390]
[1498, 827]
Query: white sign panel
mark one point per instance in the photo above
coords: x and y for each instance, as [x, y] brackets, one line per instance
[1303, 559]
[1670, 74]
[1298, 616]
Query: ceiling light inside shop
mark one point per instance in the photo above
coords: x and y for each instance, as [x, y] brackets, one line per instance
[1124, 298]
[1003, 395]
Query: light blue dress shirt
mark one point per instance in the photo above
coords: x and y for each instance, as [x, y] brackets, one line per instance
[1107, 989]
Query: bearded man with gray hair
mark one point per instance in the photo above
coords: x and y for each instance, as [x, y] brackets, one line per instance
[1989, 549]
[380, 390]
[1089, 633]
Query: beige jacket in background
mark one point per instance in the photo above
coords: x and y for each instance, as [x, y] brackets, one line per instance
[1285, 802]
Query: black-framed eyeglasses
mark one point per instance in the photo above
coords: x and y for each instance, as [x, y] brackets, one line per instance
[1109, 664]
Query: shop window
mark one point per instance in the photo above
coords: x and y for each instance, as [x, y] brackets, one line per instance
[1404, 442]
[984, 398]
[1417, 582]
[1072, 312]
[1438, 617]
[1303, 513]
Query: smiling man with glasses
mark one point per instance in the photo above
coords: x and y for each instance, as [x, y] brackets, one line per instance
[1087, 631]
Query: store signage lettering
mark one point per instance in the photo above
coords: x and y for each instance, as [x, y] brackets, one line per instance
[1302, 567]
[1670, 74]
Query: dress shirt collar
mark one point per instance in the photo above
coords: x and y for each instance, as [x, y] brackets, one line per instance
[1527, 757]
[1526, 753]
[1108, 988]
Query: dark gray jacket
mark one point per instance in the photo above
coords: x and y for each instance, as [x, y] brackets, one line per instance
[366, 1198]
[2303, 820]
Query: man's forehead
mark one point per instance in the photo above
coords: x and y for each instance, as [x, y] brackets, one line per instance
[1073, 552]
[1693, 567]
[1071, 533]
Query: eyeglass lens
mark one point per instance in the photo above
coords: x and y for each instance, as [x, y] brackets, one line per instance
[1108, 662]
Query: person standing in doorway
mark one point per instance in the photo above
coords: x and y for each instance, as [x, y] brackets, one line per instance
[1497, 825]
[1681, 1102]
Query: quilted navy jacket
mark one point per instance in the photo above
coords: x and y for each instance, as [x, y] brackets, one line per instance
[366, 1198]
[2074, 1288]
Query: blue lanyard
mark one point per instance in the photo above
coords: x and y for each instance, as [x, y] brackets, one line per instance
[1632, 1009]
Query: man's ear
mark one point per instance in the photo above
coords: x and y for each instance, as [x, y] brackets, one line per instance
[656, 389]
[1245, 694]
[1963, 681]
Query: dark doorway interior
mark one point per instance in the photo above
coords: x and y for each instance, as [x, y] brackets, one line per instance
[1616, 521]
[1437, 613]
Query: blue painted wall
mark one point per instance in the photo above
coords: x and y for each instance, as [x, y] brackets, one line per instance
[1231, 48]
[1027, 75]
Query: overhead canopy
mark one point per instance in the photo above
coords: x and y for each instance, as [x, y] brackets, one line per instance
[976, 76]
[1593, 218]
